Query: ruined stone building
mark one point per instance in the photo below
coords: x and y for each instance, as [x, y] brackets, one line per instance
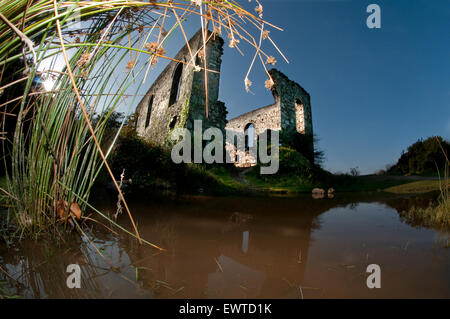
[177, 98]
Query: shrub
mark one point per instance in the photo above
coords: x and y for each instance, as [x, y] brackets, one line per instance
[150, 167]
[143, 162]
[305, 145]
[292, 162]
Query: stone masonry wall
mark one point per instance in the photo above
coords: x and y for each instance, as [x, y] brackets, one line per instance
[290, 114]
[286, 92]
[216, 109]
[191, 101]
[284, 114]
[268, 117]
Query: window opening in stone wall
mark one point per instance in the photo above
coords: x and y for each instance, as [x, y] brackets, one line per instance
[300, 116]
[175, 90]
[149, 112]
[173, 122]
[249, 136]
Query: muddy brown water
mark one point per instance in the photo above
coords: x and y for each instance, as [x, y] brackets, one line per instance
[237, 247]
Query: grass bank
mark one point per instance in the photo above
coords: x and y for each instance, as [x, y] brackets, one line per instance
[418, 187]
[293, 183]
[149, 169]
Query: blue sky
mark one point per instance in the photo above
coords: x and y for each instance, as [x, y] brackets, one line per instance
[373, 91]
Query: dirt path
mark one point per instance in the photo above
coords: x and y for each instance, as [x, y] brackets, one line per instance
[240, 178]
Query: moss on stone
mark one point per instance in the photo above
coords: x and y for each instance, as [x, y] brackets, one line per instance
[181, 123]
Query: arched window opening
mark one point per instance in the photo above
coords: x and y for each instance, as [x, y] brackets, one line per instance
[149, 111]
[300, 116]
[249, 136]
[175, 90]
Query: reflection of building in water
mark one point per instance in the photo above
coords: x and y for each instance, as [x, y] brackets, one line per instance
[245, 235]
[216, 256]
[234, 279]
[275, 257]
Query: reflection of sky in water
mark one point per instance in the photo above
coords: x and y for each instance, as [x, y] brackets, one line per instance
[352, 237]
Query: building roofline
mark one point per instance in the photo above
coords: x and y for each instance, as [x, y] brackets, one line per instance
[253, 111]
[275, 73]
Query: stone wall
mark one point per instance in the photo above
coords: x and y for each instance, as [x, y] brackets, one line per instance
[190, 105]
[290, 114]
[217, 112]
[286, 93]
[268, 117]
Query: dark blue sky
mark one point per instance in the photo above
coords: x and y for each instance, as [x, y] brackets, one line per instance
[373, 91]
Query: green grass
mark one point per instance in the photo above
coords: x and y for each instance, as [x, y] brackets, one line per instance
[222, 180]
[3, 197]
[363, 183]
[341, 183]
[151, 169]
[416, 187]
[226, 182]
[279, 184]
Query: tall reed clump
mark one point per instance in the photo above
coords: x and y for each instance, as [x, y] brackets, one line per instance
[53, 152]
